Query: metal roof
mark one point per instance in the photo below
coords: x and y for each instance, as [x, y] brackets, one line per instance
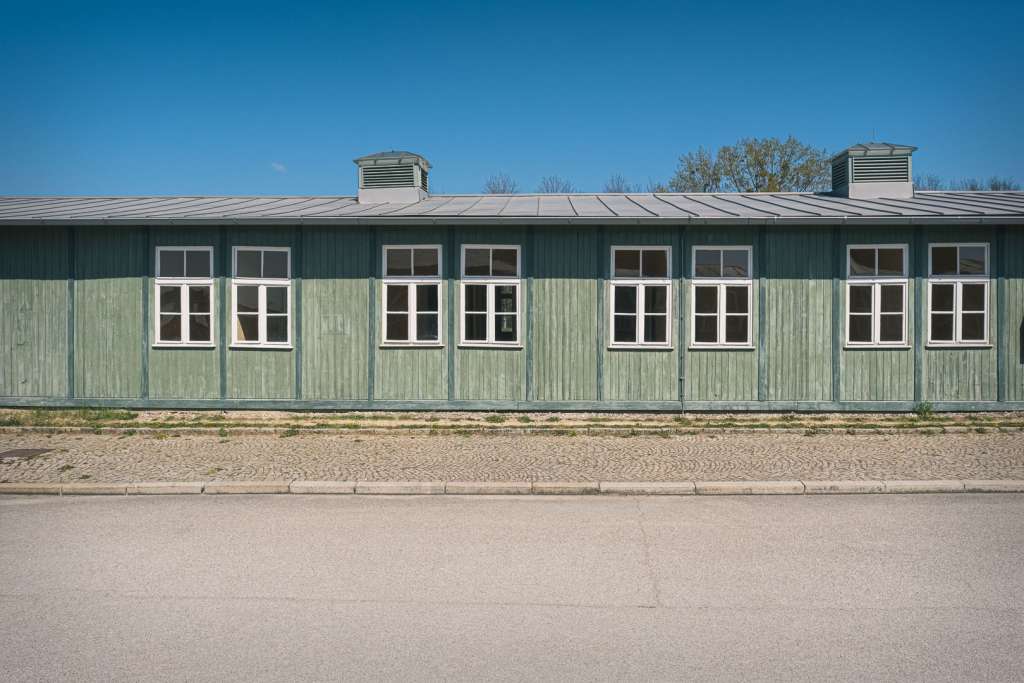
[593, 209]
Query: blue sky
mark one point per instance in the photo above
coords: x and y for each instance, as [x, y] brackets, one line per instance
[278, 98]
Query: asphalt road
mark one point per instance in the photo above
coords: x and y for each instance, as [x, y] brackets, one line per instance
[926, 587]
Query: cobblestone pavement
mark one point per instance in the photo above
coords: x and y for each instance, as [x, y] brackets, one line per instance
[315, 456]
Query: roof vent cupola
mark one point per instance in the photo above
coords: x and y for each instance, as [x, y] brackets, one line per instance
[873, 170]
[392, 178]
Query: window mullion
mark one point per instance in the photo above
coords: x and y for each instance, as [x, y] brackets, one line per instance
[183, 298]
[640, 294]
[261, 311]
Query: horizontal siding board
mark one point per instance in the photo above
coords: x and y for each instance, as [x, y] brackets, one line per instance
[34, 302]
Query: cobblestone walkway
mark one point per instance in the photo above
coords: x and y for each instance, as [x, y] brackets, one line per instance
[122, 458]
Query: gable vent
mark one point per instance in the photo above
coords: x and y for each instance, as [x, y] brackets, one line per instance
[392, 178]
[873, 170]
[388, 176]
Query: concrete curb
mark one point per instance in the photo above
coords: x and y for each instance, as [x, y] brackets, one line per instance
[464, 488]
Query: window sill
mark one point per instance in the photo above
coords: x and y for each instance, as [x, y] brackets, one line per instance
[161, 345]
[510, 347]
[397, 345]
[721, 347]
[980, 345]
[639, 347]
[877, 347]
[261, 347]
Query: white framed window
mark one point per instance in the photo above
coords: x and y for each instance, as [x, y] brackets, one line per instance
[261, 290]
[958, 281]
[490, 295]
[411, 295]
[641, 297]
[183, 288]
[876, 295]
[721, 287]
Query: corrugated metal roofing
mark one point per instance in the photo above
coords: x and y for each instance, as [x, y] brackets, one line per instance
[724, 208]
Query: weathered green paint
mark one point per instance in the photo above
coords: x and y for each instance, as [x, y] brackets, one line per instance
[629, 374]
[144, 292]
[798, 311]
[961, 374]
[34, 298]
[297, 272]
[564, 312]
[1014, 329]
[335, 300]
[185, 373]
[450, 273]
[919, 266]
[408, 373]
[761, 256]
[722, 374]
[837, 282]
[222, 264]
[69, 364]
[109, 268]
[529, 266]
[999, 258]
[877, 374]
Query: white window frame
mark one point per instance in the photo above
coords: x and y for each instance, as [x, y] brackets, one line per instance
[262, 283]
[413, 281]
[958, 281]
[641, 283]
[721, 282]
[182, 283]
[491, 282]
[876, 282]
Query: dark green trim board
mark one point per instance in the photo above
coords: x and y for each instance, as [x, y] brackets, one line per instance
[530, 264]
[450, 260]
[1002, 341]
[147, 323]
[604, 258]
[839, 251]
[225, 313]
[297, 323]
[373, 240]
[679, 246]
[72, 268]
[762, 317]
[920, 264]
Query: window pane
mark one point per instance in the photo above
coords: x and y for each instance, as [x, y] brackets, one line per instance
[425, 262]
[972, 327]
[627, 263]
[199, 328]
[476, 298]
[736, 300]
[275, 264]
[862, 262]
[248, 299]
[707, 263]
[247, 328]
[943, 260]
[277, 299]
[734, 263]
[199, 299]
[972, 260]
[426, 327]
[706, 300]
[277, 328]
[891, 328]
[942, 297]
[656, 299]
[397, 327]
[197, 264]
[860, 328]
[398, 298]
[625, 299]
[172, 263]
[170, 328]
[478, 262]
[247, 263]
[655, 329]
[735, 329]
[860, 299]
[890, 262]
[892, 299]
[655, 263]
[705, 329]
[504, 263]
[942, 327]
[398, 262]
[505, 299]
[505, 328]
[476, 327]
[973, 297]
[426, 298]
[170, 299]
[625, 328]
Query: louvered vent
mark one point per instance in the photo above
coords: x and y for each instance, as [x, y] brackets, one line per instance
[388, 176]
[423, 181]
[881, 169]
[839, 172]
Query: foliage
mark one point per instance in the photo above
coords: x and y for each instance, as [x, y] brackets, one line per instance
[754, 165]
[924, 410]
[553, 184]
[501, 183]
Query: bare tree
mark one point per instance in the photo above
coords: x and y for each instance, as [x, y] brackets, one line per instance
[553, 184]
[993, 184]
[656, 186]
[617, 184]
[754, 165]
[997, 184]
[501, 183]
[928, 183]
